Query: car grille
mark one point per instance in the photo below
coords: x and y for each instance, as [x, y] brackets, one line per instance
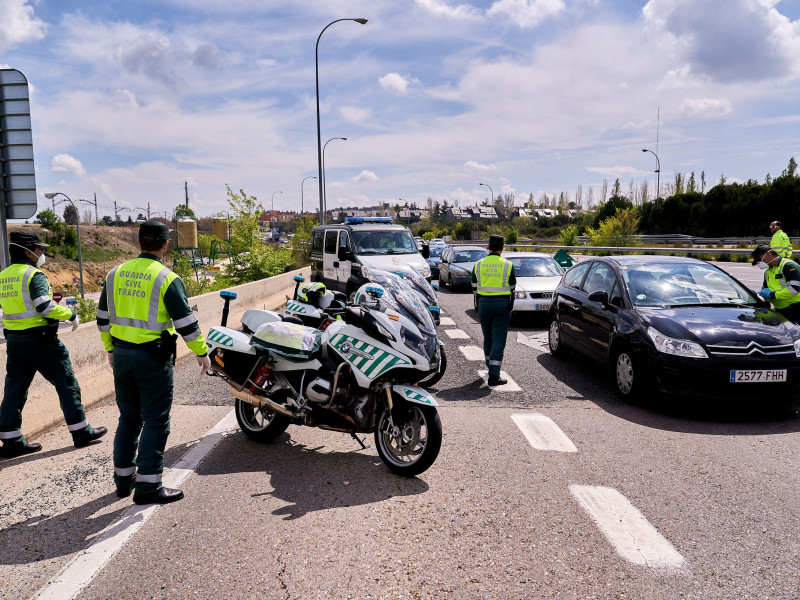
[541, 294]
[751, 348]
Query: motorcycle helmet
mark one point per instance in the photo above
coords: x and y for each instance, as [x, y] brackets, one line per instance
[311, 293]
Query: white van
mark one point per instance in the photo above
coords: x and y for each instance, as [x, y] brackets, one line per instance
[340, 252]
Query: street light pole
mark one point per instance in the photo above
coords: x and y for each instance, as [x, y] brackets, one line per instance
[319, 136]
[658, 173]
[51, 196]
[324, 187]
[491, 218]
[301, 193]
[272, 214]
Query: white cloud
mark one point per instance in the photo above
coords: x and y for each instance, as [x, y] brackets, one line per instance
[365, 176]
[706, 107]
[266, 62]
[471, 164]
[64, 163]
[440, 8]
[354, 114]
[18, 23]
[396, 82]
[526, 13]
[616, 171]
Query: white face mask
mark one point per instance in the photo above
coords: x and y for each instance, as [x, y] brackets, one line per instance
[40, 261]
[762, 265]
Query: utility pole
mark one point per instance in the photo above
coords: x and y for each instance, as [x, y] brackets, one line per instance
[96, 217]
[116, 214]
[148, 211]
[186, 189]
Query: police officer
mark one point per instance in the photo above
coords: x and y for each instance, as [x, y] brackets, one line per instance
[781, 281]
[780, 241]
[493, 280]
[141, 306]
[30, 319]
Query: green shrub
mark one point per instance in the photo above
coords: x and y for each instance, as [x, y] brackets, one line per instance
[619, 230]
[513, 236]
[87, 310]
[568, 236]
[428, 236]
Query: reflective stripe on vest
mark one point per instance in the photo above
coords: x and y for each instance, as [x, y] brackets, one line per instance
[487, 284]
[19, 311]
[152, 323]
[777, 284]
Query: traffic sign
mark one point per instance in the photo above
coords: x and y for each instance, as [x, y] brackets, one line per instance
[16, 146]
[57, 297]
[74, 280]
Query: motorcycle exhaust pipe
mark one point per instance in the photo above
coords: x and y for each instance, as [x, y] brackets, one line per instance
[259, 401]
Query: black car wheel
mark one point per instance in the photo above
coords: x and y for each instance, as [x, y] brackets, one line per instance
[627, 375]
[557, 349]
[450, 281]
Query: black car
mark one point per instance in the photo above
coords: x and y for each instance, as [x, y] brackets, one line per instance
[676, 325]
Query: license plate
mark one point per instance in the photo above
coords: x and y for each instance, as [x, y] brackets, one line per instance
[762, 376]
[543, 306]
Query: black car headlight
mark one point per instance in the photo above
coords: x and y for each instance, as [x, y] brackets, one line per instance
[678, 347]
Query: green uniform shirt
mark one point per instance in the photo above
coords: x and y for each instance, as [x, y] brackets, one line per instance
[25, 308]
[174, 303]
[781, 244]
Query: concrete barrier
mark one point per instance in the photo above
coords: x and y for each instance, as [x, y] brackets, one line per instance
[90, 364]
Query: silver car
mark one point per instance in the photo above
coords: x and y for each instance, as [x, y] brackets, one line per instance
[456, 264]
[537, 277]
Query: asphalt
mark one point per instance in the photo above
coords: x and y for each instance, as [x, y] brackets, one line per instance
[314, 516]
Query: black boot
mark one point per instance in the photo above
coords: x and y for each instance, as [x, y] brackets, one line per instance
[82, 439]
[162, 496]
[124, 485]
[496, 380]
[16, 449]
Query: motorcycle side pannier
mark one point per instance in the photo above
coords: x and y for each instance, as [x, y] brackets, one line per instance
[288, 339]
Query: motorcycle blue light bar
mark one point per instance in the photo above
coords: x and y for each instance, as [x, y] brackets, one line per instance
[300, 279]
[359, 220]
[375, 290]
[227, 294]
[435, 309]
[400, 274]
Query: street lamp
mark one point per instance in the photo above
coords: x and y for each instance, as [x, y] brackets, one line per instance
[491, 217]
[272, 214]
[50, 196]
[301, 193]
[319, 137]
[658, 173]
[324, 188]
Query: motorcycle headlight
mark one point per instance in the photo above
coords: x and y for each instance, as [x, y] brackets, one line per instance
[797, 348]
[678, 347]
[417, 344]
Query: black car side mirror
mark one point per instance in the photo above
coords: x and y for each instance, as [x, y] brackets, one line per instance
[600, 297]
[344, 254]
[425, 251]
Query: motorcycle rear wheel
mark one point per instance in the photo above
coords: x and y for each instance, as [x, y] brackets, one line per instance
[414, 445]
[260, 424]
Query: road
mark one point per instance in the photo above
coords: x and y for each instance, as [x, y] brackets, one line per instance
[549, 488]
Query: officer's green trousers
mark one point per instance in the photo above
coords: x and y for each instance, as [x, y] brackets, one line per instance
[143, 384]
[495, 316]
[27, 354]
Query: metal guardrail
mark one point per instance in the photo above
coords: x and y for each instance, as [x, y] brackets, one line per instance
[626, 249]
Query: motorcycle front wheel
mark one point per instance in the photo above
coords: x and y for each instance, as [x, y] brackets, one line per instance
[413, 444]
[437, 375]
[259, 424]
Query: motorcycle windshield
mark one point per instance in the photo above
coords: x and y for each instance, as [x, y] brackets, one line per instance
[420, 285]
[401, 298]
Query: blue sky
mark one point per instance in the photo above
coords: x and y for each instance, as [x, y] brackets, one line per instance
[131, 99]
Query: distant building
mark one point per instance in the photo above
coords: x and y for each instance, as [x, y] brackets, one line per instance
[454, 213]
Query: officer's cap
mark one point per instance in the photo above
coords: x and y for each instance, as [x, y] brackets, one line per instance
[153, 231]
[759, 251]
[496, 242]
[26, 239]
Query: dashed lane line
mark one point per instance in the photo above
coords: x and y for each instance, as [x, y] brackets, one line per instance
[77, 575]
[626, 529]
[447, 321]
[472, 353]
[511, 386]
[457, 334]
[537, 341]
[542, 433]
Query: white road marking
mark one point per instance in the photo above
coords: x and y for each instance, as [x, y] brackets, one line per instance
[537, 341]
[457, 334]
[77, 575]
[632, 536]
[447, 321]
[511, 386]
[473, 353]
[542, 433]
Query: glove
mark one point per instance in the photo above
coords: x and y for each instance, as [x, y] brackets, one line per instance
[76, 320]
[765, 293]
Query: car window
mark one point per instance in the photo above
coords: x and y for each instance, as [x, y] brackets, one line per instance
[575, 275]
[344, 240]
[330, 241]
[615, 297]
[316, 240]
[600, 279]
[535, 266]
[436, 251]
[466, 256]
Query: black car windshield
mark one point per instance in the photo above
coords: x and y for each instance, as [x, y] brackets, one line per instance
[436, 250]
[680, 284]
[384, 242]
[535, 266]
[467, 256]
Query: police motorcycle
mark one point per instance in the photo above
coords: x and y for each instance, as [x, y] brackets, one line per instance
[356, 376]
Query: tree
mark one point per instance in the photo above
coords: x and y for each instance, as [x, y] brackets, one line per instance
[618, 230]
[182, 211]
[49, 220]
[130, 220]
[107, 220]
[691, 187]
[70, 215]
[86, 218]
[437, 210]
[616, 191]
[610, 208]
[790, 170]
[604, 190]
[702, 182]
[531, 204]
[140, 217]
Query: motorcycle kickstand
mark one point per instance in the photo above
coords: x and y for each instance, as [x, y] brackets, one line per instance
[356, 438]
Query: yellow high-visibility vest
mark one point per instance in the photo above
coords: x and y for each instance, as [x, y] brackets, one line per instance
[19, 309]
[492, 273]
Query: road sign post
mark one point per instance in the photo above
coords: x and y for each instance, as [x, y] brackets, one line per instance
[17, 175]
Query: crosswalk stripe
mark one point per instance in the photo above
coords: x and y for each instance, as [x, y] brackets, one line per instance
[542, 433]
[627, 529]
[457, 334]
[511, 386]
[472, 353]
[447, 321]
